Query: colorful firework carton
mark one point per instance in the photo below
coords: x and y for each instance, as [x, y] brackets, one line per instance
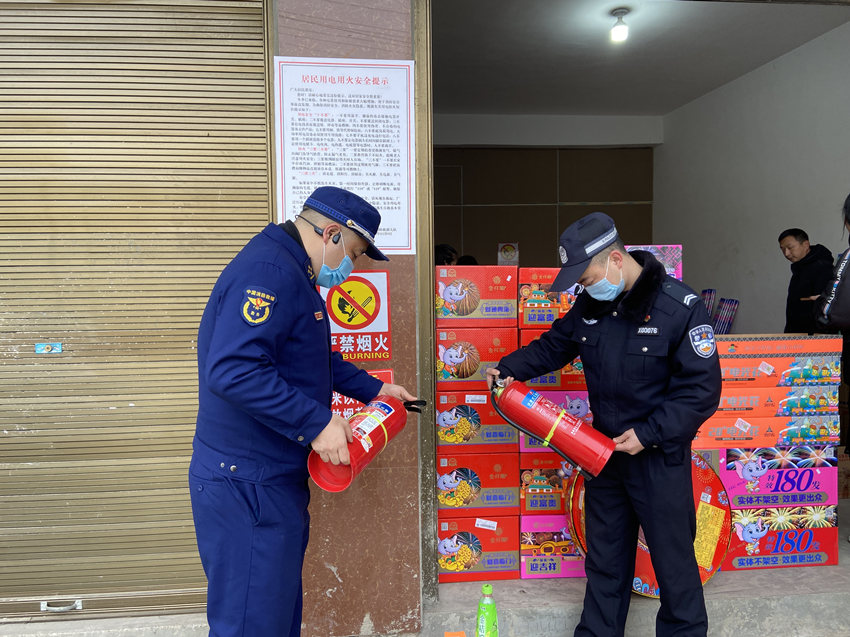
[542, 477]
[539, 305]
[463, 355]
[573, 402]
[571, 376]
[780, 370]
[476, 296]
[778, 401]
[477, 484]
[783, 537]
[719, 432]
[670, 257]
[780, 476]
[547, 549]
[778, 344]
[475, 549]
[468, 423]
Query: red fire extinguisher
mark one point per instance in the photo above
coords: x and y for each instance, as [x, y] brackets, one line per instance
[573, 439]
[372, 427]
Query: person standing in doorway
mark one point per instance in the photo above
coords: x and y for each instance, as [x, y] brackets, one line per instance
[811, 270]
[653, 377]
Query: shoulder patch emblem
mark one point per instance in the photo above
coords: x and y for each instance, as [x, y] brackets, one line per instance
[257, 305]
[702, 340]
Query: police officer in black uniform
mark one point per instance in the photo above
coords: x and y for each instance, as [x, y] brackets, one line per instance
[653, 377]
[266, 375]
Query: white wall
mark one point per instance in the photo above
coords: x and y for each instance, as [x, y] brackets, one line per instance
[768, 151]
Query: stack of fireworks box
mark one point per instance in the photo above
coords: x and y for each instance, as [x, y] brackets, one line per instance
[547, 548]
[478, 500]
[773, 438]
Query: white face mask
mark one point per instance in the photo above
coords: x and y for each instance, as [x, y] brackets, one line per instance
[604, 290]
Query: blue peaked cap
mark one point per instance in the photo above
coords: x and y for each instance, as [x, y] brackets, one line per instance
[351, 211]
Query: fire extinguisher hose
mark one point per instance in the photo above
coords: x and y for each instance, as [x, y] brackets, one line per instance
[493, 398]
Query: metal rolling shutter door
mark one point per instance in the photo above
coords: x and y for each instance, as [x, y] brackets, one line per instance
[134, 162]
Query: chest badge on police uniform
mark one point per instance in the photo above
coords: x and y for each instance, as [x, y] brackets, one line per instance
[702, 340]
[257, 305]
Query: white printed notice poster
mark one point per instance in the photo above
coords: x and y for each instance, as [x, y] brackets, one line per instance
[348, 123]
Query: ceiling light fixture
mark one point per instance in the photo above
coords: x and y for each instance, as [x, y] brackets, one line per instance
[620, 30]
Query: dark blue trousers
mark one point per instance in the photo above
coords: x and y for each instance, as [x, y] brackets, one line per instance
[251, 537]
[655, 492]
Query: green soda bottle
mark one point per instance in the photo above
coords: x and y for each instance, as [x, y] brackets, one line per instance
[486, 622]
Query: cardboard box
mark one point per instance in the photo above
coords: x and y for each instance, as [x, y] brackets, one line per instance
[538, 304]
[478, 549]
[477, 484]
[463, 355]
[476, 296]
[786, 344]
[547, 549]
[670, 257]
[468, 423]
[574, 401]
[571, 376]
[720, 432]
[763, 402]
[780, 476]
[782, 537]
[542, 477]
[781, 370]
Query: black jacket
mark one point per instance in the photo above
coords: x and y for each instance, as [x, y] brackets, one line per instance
[809, 277]
[649, 358]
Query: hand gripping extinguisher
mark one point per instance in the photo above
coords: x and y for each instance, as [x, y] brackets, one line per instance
[573, 439]
[373, 426]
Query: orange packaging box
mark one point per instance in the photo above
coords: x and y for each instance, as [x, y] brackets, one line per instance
[571, 376]
[720, 432]
[781, 370]
[541, 478]
[463, 355]
[468, 423]
[477, 484]
[476, 296]
[783, 537]
[538, 304]
[547, 549]
[477, 549]
[778, 401]
[761, 344]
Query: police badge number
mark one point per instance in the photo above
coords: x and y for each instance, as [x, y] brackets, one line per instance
[702, 340]
[257, 305]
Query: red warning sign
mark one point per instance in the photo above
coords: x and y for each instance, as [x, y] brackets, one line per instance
[354, 304]
[359, 310]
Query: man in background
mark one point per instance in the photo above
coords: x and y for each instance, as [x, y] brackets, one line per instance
[811, 270]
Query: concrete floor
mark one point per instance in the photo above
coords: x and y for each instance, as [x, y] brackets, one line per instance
[803, 602]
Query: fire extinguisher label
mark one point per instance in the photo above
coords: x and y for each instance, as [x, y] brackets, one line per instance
[530, 398]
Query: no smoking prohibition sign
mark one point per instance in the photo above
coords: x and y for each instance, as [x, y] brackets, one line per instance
[359, 313]
[355, 304]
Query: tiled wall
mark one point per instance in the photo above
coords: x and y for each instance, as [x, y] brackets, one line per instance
[484, 196]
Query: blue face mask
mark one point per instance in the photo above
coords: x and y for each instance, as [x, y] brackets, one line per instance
[327, 277]
[604, 290]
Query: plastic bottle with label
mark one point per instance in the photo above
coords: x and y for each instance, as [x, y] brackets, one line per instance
[486, 622]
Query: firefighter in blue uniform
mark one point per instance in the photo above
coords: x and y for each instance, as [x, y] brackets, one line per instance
[266, 375]
[653, 377]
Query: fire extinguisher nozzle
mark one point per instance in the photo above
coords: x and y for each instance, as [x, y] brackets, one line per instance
[415, 405]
